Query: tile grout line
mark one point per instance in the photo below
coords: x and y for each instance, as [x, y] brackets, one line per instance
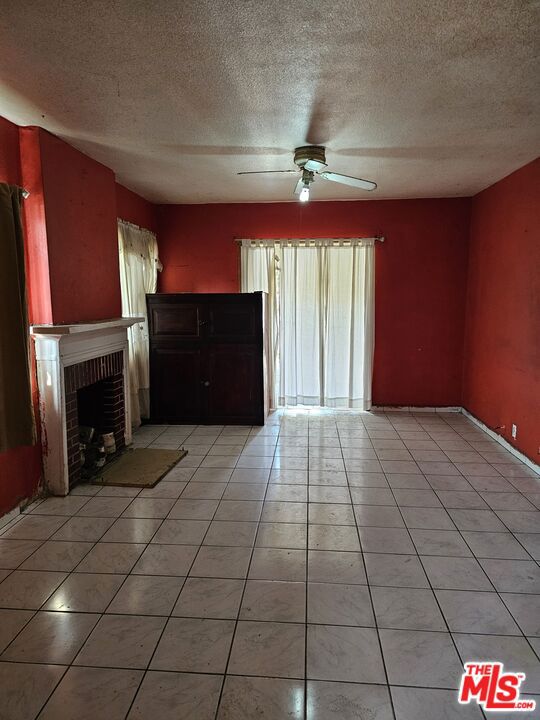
[237, 620]
[375, 621]
[166, 623]
[498, 594]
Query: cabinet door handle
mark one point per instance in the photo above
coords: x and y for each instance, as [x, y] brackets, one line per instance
[206, 383]
[203, 322]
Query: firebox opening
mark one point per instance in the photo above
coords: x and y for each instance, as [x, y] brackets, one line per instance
[90, 405]
[100, 425]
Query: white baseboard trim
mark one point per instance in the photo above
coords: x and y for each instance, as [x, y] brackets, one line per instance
[9, 516]
[457, 409]
[417, 409]
[12, 515]
[506, 445]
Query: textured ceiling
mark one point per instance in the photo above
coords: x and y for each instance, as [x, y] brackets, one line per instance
[428, 98]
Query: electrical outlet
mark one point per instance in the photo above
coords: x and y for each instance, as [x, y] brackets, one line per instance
[514, 431]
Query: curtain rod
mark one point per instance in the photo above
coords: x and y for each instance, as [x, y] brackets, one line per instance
[377, 238]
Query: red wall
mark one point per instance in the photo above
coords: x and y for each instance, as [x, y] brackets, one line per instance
[20, 472]
[502, 351]
[71, 232]
[35, 226]
[135, 209]
[80, 212]
[421, 273]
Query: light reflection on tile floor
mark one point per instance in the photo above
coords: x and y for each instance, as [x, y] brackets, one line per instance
[331, 565]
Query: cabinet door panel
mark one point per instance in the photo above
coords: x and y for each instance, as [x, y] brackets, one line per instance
[176, 384]
[234, 393]
[234, 321]
[175, 320]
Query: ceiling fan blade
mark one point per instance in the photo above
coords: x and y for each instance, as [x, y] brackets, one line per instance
[299, 186]
[315, 165]
[348, 180]
[261, 172]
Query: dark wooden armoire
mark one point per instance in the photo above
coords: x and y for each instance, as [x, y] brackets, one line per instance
[207, 358]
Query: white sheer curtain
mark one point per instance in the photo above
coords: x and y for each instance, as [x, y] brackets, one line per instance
[260, 271]
[139, 265]
[321, 297]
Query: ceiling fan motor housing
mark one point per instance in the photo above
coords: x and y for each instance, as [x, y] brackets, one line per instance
[309, 152]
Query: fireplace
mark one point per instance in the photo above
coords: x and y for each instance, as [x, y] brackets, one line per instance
[82, 374]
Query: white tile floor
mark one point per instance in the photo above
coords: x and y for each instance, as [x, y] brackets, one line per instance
[329, 565]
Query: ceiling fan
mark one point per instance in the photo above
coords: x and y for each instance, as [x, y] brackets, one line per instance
[311, 161]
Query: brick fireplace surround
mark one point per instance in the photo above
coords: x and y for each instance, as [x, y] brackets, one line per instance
[68, 358]
[109, 369]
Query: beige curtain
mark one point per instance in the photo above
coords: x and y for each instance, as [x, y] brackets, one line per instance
[321, 300]
[327, 321]
[260, 271]
[16, 417]
[139, 266]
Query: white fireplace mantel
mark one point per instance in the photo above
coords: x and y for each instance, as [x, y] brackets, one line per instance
[58, 347]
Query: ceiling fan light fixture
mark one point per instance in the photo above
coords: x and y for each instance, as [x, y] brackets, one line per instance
[310, 157]
[311, 161]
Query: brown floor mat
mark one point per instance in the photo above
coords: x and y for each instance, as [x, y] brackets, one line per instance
[141, 467]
